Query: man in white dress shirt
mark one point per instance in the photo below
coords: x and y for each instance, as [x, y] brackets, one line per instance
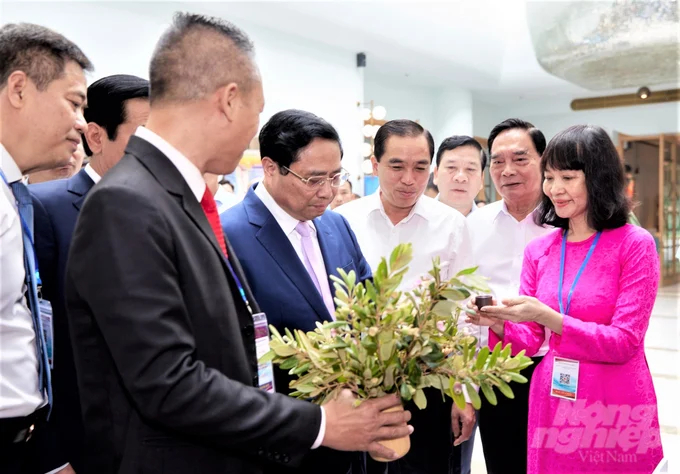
[42, 96]
[459, 175]
[500, 231]
[399, 213]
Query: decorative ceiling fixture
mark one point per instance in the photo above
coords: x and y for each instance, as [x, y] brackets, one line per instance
[607, 44]
[642, 97]
[373, 117]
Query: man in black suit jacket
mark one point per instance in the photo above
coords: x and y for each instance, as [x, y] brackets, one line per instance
[117, 105]
[163, 337]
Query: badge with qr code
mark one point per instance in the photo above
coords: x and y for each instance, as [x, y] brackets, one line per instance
[564, 378]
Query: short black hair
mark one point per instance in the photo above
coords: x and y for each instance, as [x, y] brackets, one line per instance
[536, 135]
[197, 55]
[39, 52]
[457, 141]
[106, 100]
[289, 131]
[430, 183]
[351, 188]
[588, 148]
[400, 128]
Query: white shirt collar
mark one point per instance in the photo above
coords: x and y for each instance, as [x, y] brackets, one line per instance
[503, 208]
[422, 207]
[8, 166]
[472, 209]
[285, 220]
[191, 174]
[92, 173]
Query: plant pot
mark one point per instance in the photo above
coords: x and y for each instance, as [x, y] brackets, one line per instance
[400, 446]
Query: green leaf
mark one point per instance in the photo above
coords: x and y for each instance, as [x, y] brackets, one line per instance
[505, 389]
[494, 355]
[458, 398]
[467, 271]
[453, 295]
[443, 308]
[489, 393]
[474, 396]
[482, 357]
[405, 392]
[419, 399]
[519, 378]
[268, 357]
[507, 350]
[386, 350]
[289, 363]
[388, 381]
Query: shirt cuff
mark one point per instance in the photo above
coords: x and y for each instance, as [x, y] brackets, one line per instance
[322, 430]
[54, 471]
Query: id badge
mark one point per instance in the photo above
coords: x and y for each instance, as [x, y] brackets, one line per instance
[46, 320]
[564, 378]
[265, 372]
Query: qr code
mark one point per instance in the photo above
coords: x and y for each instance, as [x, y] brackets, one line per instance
[565, 379]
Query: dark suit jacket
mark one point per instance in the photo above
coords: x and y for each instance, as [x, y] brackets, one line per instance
[56, 206]
[164, 345]
[283, 288]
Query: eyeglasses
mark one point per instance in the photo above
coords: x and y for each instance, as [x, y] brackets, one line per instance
[335, 181]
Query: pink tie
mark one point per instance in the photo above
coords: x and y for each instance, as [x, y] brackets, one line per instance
[311, 263]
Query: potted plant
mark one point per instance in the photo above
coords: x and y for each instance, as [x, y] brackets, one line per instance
[386, 341]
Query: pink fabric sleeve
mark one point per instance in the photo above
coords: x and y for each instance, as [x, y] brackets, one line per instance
[618, 341]
[528, 336]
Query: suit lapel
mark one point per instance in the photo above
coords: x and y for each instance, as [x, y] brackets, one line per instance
[171, 179]
[79, 185]
[276, 243]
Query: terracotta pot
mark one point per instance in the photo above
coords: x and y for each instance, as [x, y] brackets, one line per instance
[400, 446]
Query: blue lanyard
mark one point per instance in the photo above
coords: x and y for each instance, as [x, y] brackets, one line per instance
[241, 291]
[578, 275]
[27, 231]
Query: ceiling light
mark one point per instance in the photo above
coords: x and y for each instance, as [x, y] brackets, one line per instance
[365, 113]
[367, 130]
[379, 112]
[366, 150]
[643, 92]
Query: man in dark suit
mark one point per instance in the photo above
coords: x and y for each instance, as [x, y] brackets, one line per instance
[117, 105]
[288, 243]
[160, 311]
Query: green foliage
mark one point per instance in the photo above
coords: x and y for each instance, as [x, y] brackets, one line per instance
[386, 341]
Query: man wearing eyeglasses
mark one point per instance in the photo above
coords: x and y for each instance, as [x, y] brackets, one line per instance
[288, 243]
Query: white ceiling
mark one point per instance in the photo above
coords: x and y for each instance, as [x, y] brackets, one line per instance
[482, 45]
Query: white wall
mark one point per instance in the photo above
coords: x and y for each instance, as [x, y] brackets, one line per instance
[552, 116]
[120, 37]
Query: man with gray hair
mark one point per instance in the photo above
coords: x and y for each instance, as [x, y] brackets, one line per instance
[42, 96]
[167, 337]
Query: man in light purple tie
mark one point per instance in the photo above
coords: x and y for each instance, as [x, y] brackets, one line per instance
[288, 243]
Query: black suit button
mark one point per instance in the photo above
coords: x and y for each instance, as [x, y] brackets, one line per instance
[260, 452]
[277, 457]
[248, 331]
[255, 380]
[285, 458]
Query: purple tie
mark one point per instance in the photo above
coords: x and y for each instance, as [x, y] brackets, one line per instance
[311, 263]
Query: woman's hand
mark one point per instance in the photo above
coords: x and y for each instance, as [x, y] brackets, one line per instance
[518, 310]
[480, 319]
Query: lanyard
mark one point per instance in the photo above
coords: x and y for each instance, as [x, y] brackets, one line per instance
[578, 274]
[241, 291]
[27, 231]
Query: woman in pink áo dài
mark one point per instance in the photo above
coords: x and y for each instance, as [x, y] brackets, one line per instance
[592, 282]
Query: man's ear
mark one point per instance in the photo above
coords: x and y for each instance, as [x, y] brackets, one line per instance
[17, 87]
[94, 134]
[269, 166]
[435, 175]
[229, 100]
[374, 162]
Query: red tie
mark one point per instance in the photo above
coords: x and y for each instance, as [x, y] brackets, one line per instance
[210, 209]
